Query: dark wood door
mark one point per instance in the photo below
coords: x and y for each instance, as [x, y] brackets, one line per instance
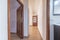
[35, 20]
[20, 22]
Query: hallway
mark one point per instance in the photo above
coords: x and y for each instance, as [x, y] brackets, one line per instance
[33, 35]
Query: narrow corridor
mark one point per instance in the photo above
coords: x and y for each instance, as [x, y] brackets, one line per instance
[33, 35]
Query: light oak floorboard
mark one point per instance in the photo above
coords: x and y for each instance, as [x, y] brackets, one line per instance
[33, 35]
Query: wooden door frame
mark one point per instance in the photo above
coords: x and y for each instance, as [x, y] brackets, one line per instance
[9, 34]
[47, 21]
[8, 19]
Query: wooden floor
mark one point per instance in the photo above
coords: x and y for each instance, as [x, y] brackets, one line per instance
[33, 35]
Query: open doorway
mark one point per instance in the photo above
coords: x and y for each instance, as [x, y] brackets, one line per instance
[15, 19]
[33, 15]
[34, 21]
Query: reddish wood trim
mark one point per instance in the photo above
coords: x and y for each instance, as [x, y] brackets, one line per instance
[20, 11]
[20, 2]
[48, 20]
[9, 20]
[20, 23]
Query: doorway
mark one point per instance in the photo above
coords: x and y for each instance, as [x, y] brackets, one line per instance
[15, 19]
[47, 37]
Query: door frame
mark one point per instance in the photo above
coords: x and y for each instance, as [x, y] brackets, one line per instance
[47, 20]
[9, 36]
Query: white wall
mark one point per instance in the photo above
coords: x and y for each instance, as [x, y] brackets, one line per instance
[42, 18]
[56, 18]
[30, 12]
[26, 17]
[13, 12]
[53, 20]
[30, 16]
[31, 4]
[3, 20]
